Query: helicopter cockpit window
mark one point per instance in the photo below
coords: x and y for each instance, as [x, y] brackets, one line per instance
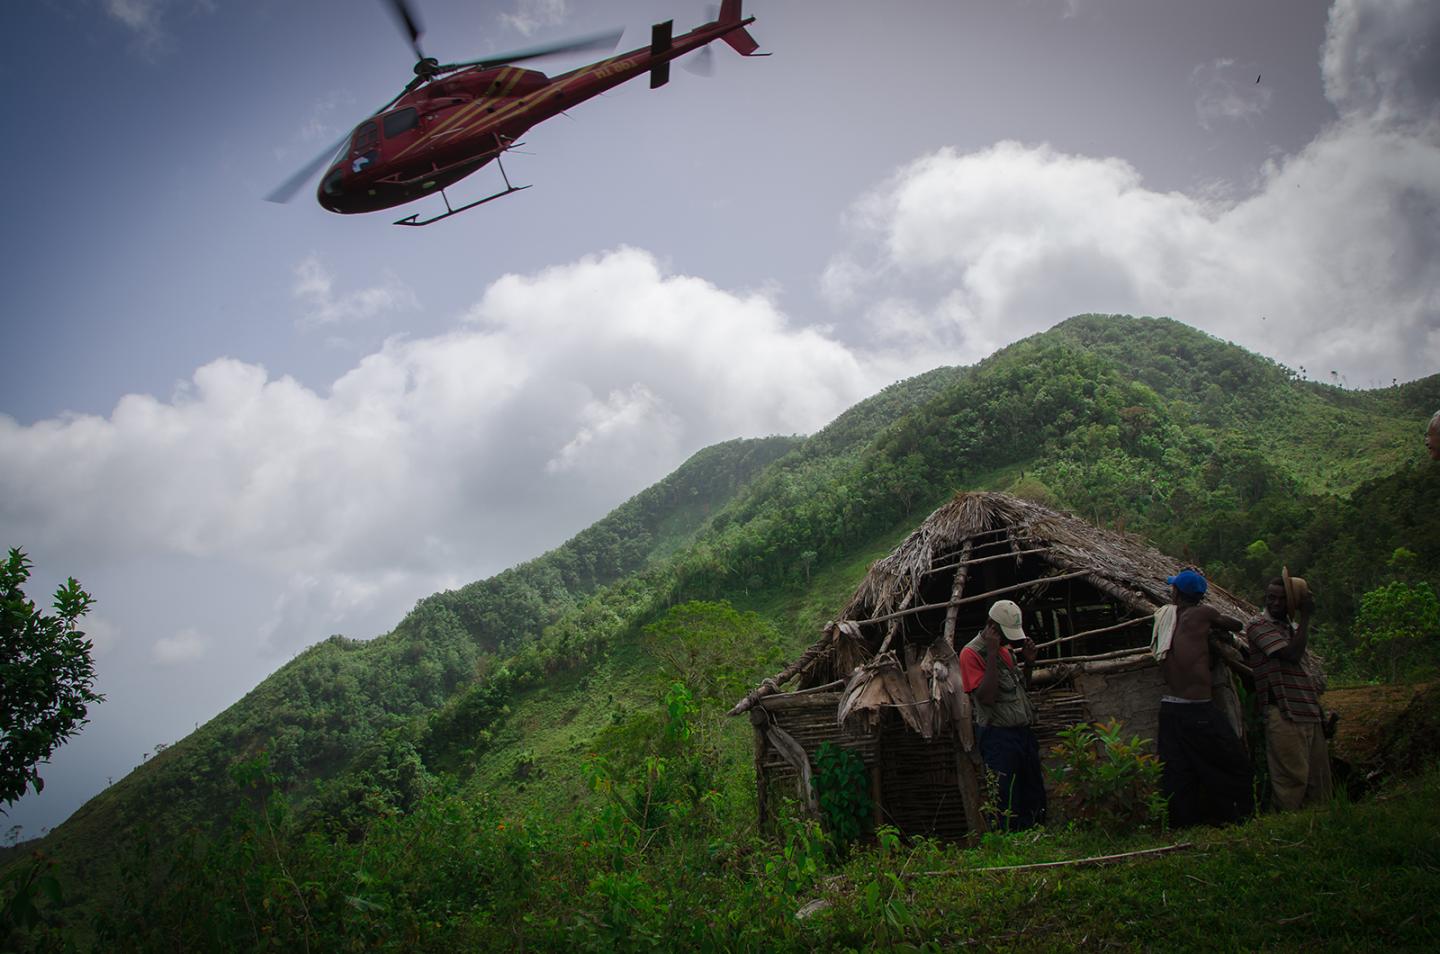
[400, 121]
[331, 185]
[365, 137]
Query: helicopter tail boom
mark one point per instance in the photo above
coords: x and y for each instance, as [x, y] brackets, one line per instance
[739, 38]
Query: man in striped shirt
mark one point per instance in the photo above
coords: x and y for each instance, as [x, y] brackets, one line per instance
[1294, 735]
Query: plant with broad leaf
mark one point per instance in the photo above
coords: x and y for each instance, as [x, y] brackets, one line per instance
[1106, 780]
[842, 788]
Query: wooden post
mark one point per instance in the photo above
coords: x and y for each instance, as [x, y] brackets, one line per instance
[758, 719]
[956, 591]
[969, 782]
[896, 622]
[877, 814]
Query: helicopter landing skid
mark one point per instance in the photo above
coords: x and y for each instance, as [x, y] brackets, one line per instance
[415, 221]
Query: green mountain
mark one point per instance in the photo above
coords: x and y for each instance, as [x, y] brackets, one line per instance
[1217, 455]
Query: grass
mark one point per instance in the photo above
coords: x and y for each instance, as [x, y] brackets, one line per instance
[1349, 877]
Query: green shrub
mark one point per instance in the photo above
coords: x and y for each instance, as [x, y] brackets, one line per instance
[842, 787]
[1104, 780]
[1398, 628]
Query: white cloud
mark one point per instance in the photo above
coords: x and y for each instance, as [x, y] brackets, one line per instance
[315, 288]
[1381, 60]
[532, 15]
[1338, 247]
[626, 423]
[185, 646]
[1226, 91]
[433, 461]
[145, 19]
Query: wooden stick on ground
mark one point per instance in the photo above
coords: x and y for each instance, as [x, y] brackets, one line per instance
[1074, 862]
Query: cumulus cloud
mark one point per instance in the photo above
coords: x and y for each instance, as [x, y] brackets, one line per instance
[1338, 247]
[184, 647]
[625, 423]
[314, 288]
[1381, 60]
[1227, 91]
[432, 461]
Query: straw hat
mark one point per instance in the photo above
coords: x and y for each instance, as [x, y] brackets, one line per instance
[1296, 589]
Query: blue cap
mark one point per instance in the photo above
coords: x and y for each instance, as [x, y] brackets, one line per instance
[1188, 581]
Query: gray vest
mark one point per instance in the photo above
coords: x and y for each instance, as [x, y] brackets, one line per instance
[1012, 704]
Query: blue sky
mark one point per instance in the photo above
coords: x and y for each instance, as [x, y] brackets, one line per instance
[247, 426]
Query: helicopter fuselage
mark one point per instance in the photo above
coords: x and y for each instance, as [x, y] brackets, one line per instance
[452, 126]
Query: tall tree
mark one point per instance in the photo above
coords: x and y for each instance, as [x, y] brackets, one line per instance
[46, 676]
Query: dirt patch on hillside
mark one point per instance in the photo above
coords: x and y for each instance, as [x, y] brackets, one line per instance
[1365, 714]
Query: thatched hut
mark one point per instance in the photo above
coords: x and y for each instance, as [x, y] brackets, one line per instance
[884, 682]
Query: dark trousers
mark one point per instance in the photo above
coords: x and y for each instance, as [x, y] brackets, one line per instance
[1013, 755]
[1206, 774]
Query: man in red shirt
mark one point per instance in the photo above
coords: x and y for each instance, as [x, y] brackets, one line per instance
[1004, 713]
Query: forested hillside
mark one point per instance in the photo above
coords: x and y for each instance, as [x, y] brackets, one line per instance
[1218, 456]
[348, 707]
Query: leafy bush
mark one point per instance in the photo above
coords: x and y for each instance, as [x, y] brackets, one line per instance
[1106, 781]
[842, 787]
[1398, 627]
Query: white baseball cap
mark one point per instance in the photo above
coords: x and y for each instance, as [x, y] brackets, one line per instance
[1007, 615]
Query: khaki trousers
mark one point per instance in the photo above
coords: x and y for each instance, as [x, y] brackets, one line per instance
[1299, 762]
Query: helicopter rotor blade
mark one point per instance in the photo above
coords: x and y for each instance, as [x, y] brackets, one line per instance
[410, 23]
[287, 189]
[606, 40]
[702, 63]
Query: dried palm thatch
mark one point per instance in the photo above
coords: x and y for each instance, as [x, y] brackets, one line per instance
[1034, 551]
[1119, 564]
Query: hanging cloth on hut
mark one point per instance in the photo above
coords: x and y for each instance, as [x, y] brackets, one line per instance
[1163, 631]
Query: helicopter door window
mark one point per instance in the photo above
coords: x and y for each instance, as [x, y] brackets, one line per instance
[400, 121]
[366, 136]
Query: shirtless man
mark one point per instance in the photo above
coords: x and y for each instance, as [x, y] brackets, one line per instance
[1206, 774]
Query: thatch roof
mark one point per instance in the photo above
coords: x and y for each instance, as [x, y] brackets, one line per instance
[1120, 564]
[1042, 545]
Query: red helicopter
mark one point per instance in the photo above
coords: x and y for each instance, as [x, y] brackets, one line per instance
[454, 118]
